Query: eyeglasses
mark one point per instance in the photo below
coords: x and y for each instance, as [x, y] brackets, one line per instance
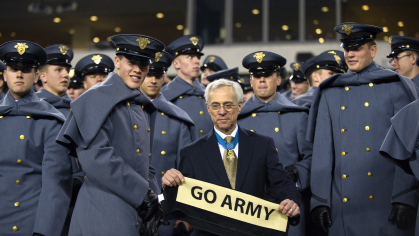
[397, 58]
[227, 107]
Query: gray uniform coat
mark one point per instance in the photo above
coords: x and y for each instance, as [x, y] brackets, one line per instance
[174, 130]
[348, 174]
[304, 100]
[35, 172]
[190, 98]
[288, 95]
[401, 145]
[415, 80]
[109, 131]
[62, 104]
[286, 124]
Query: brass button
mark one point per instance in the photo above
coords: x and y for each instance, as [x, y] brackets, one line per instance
[14, 228]
[16, 204]
[138, 151]
[128, 104]
[135, 127]
[276, 129]
[180, 97]
[142, 107]
[366, 104]
[254, 114]
[19, 161]
[162, 173]
[279, 112]
[138, 223]
[28, 117]
[17, 182]
[342, 108]
[371, 197]
[346, 88]
[163, 152]
[371, 84]
[368, 150]
[149, 155]
[162, 113]
[342, 131]
[70, 109]
[148, 178]
[85, 177]
[1, 117]
[277, 150]
[200, 96]
[201, 112]
[22, 136]
[252, 130]
[163, 132]
[343, 153]
[201, 131]
[345, 200]
[148, 130]
[369, 174]
[367, 128]
[343, 176]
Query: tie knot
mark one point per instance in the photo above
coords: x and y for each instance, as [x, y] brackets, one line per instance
[229, 139]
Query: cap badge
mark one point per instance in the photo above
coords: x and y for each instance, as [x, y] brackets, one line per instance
[142, 42]
[297, 66]
[332, 52]
[71, 73]
[242, 81]
[337, 58]
[259, 56]
[389, 40]
[63, 49]
[21, 47]
[157, 57]
[97, 59]
[211, 59]
[194, 40]
[348, 29]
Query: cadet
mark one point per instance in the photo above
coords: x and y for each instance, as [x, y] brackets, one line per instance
[75, 87]
[55, 77]
[174, 129]
[185, 91]
[298, 82]
[316, 70]
[229, 74]
[247, 88]
[211, 65]
[404, 53]
[3, 85]
[35, 171]
[269, 113]
[94, 68]
[354, 189]
[108, 129]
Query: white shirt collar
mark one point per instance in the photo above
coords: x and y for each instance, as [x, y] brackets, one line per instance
[223, 135]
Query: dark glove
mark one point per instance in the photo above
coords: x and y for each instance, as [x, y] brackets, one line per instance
[321, 218]
[180, 230]
[152, 215]
[403, 215]
[293, 171]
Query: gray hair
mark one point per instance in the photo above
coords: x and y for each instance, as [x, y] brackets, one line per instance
[224, 82]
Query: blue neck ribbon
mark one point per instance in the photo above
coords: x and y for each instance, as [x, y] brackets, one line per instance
[226, 145]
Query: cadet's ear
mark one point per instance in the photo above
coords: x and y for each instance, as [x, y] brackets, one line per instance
[117, 61]
[176, 63]
[373, 50]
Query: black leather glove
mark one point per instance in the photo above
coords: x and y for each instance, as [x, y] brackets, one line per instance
[321, 218]
[293, 171]
[403, 215]
[152, 215]
[180, 230]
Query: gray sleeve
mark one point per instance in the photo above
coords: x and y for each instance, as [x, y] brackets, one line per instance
[54, 199]
[305, 148]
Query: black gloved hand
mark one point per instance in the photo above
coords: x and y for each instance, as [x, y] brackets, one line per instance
[321, 218]
[180, 230]
[152, 215]
[403, 215]
[293, 171]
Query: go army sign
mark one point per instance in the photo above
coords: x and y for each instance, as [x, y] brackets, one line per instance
[223, 211]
